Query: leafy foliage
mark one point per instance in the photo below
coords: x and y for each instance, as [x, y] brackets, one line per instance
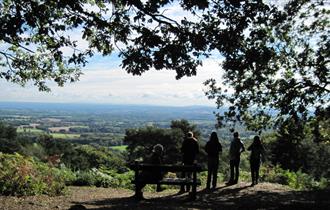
[88, 157]
[34, 36]
[8, 143]
[20, 175]
[296, 180]
[104, 178]
[278, 64]
[47, 165]
[295, 149]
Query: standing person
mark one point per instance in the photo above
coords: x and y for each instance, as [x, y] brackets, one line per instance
[257, 154]
[189, 149]
[213, 148]
[236, 148]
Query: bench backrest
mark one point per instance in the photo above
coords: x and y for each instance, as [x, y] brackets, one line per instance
[166, 167]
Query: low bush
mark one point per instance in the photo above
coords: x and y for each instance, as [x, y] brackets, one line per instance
[104, 177]
[21, 175]
[296, 180]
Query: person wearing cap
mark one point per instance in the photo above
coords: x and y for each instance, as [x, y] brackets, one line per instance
[189, 149]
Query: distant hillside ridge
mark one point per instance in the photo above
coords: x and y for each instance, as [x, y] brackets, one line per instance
[147, 111]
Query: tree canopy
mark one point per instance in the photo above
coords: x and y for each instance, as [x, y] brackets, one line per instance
[280, 64]
[141, 141]
[275, 57]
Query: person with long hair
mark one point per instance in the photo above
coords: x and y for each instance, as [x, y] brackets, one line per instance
[213, 148]
[257, 154]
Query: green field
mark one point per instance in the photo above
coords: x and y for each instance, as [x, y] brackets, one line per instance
[64, 135]
[119, 148]
[29, 130]
[54, 135]
[79, 126]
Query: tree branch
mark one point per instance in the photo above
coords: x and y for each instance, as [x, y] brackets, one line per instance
[156, 17]
[8, 57]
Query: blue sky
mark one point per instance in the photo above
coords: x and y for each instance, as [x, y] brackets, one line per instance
[105, 82]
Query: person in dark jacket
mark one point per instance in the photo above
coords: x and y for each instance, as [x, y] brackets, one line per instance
[189, 149]
[236, 148]
[213, 148]
[156, 157]
[257, 154]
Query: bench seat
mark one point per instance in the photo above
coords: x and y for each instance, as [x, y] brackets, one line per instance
[169, 181]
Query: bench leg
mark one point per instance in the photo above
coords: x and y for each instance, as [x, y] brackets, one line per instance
[138, 192]
[194, 186]
[139, 195]
[193, 193]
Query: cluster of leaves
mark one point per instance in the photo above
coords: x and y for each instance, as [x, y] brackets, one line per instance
[20, 175]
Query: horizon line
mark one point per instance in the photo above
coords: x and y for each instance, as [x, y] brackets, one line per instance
[114, 104]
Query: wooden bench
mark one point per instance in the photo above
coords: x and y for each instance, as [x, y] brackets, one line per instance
[138, 167]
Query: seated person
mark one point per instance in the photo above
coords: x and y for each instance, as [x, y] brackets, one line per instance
[156, 174]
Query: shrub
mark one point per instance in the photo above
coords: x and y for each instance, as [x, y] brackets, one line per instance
[85, 178]
[20, 175]
[104, 177]
[297, 180]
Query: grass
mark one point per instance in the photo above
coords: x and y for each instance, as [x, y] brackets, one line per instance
[29, 130]
[79, 126]
[64, 135]
[119, 148]
[54, 135]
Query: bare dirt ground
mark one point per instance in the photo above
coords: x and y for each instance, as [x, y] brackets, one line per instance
[240, 196]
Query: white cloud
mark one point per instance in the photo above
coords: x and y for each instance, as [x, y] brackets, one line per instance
[103, 83]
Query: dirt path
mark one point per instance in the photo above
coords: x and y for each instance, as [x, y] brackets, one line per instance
[240, 196]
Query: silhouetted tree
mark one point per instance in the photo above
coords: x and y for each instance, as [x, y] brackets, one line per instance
[295, 148]
[184, 126]
[141, 141]
[286, 150]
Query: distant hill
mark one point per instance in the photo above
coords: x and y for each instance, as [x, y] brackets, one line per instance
[145, 111]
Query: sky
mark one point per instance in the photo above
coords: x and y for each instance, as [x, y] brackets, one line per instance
[103, 81]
